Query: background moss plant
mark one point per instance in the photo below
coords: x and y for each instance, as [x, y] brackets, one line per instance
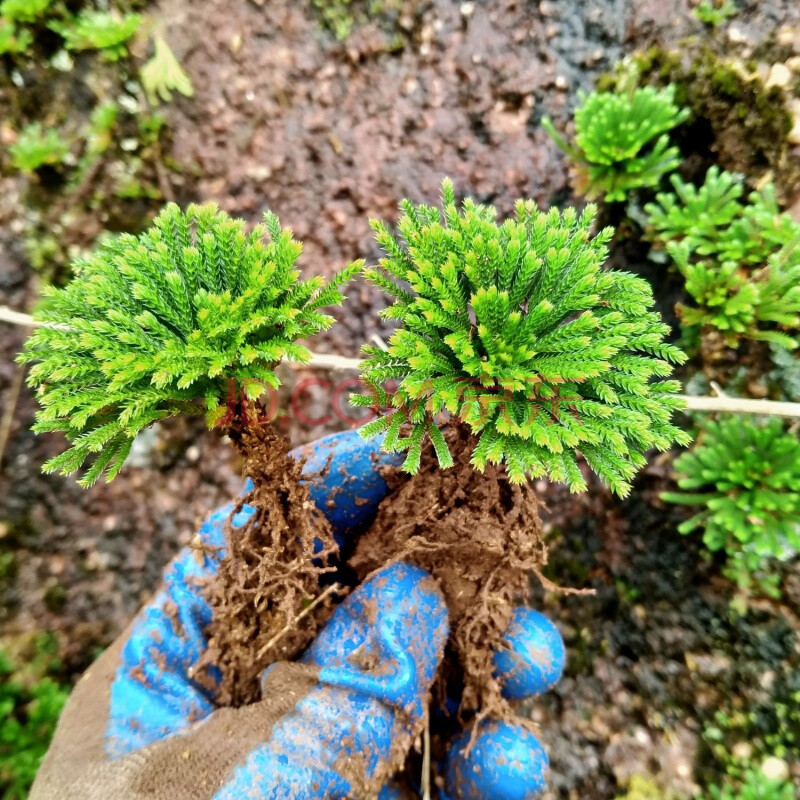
[745, 479]
[23, 10]
[755, 786]
[153, 324]
[341, 17]
[714, 219]
[98, 30]
[621, 141]
[31, 700]
[12, 39]
[741, 260]
[162, 74]
[503, 321]
[715, 12]
[733, 112]
[36, 148]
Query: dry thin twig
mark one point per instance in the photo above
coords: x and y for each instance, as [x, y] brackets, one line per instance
[11, 400]
[332, 589]
[742, 405]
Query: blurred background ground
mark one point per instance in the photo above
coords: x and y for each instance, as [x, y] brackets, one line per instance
[328, 132]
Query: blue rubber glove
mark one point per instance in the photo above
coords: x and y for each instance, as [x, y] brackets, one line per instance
[139, 726]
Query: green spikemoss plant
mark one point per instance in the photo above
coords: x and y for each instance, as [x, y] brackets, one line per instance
[763, 305]
[23, 10]
[195, 315]
[621, 141]
[516, 330]
[715, 12]
[30, 703]
[745, 479]
[740, 259]
[158, 324]
[36, 148]
[99, 30]
[12, 39]
[716, 221]
[755, 786]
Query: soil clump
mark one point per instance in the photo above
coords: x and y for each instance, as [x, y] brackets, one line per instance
[478, 535]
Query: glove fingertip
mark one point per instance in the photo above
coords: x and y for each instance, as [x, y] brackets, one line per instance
[505, 762]
[533, 658]
[343, 475]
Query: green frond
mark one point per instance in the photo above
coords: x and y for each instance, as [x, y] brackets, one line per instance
[518, 331]
[745, 477]
[159, 324]
[621, 141]
[740, 259]
[98, 30]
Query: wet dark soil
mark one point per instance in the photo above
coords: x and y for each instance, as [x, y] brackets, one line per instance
[662, 675]
[327, 133]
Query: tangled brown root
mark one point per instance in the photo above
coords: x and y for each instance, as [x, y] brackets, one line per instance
[479, 536]
[270, 572]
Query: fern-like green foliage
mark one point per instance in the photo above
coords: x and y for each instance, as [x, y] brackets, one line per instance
[162, 74]
[153, 323]
[755, 786]
[741, 259]
[99, 30]
[745, 478]
[621, 141]
[715, 12]
[518, 331]
[714, 219]
[762, 305]
[12, 39]
[37, 148]
[30, 703]
[23, 10]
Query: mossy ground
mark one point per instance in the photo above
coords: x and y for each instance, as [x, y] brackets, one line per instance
[737, 121]
[115, 174]
[31, 698]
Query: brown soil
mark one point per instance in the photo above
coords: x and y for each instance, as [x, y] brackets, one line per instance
[479, 536]
[270, 572]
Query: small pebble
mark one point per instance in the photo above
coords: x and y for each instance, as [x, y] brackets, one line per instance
[775, 769]
[736, 35]
[742, 751]
[779, 75]
[794, 133]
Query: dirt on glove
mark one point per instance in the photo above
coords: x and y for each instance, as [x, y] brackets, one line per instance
[479, 535]
[270, 572]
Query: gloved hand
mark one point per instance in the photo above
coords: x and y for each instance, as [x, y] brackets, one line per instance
[138, 726]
